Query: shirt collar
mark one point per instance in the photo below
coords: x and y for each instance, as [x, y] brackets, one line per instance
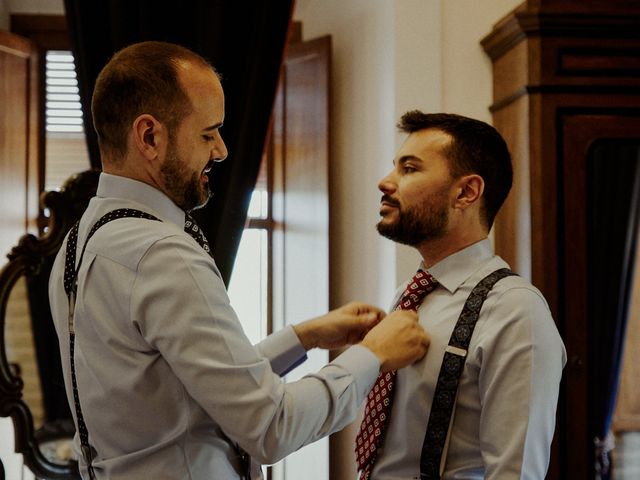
[142, 193]
[455, 269]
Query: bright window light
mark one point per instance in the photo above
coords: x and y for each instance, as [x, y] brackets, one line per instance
[63, 111]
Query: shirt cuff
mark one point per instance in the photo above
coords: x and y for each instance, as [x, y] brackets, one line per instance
[363, 365]
[283, 349]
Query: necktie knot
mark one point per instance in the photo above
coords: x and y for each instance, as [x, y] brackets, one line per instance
[421, 284]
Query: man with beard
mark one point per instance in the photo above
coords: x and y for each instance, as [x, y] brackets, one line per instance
[482, 403]
[161, 379]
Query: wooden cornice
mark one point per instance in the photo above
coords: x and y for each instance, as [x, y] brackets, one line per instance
[586, 21]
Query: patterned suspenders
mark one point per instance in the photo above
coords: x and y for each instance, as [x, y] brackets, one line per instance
[70, 287]
[447, 386]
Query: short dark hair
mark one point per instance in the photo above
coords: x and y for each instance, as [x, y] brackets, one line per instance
[141, 78]
[476, 147]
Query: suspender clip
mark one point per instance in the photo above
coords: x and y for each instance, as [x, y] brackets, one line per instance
[87, 454]
[72, 309]
[456, 351]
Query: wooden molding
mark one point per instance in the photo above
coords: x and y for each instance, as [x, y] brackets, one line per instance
[48, 32]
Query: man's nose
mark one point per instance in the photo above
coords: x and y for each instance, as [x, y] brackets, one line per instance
[387, 183]
[219, 151]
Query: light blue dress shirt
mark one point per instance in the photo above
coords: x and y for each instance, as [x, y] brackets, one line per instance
[167, 379]
[507, 397]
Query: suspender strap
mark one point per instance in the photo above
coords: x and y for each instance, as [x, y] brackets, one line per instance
[447, 387]
[71, 287]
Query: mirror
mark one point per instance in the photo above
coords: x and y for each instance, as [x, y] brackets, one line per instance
[31, 386]
[43, 391]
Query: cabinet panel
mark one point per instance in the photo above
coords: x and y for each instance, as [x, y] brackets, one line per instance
[566, 78]
[18, 141]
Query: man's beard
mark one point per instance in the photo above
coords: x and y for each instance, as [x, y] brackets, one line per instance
[187, 193]
[417, 224]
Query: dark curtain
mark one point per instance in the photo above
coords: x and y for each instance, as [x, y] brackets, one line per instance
[244, 41]
[613, 176]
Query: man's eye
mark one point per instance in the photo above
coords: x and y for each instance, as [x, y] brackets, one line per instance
[408, 169]
[207, 138]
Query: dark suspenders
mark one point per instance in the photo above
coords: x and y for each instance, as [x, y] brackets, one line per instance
[70, 287]
[444, 397]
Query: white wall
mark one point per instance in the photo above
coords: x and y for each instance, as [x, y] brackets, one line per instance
[362, 109]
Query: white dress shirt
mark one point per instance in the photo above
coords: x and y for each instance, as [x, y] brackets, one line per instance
[505, 411]
[167, 379]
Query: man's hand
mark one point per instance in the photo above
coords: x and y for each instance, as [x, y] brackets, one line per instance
[340, 327]
[398, 340]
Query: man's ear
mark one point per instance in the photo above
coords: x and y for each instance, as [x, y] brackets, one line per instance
[148, 136]
[470, 189]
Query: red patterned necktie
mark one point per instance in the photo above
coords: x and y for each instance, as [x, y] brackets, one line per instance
[378, 407]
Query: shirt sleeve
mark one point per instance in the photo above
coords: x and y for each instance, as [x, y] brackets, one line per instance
[283, 349]
[522, 357]
[186, 316]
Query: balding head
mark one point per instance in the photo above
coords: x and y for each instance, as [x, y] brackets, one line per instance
[143, 78]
